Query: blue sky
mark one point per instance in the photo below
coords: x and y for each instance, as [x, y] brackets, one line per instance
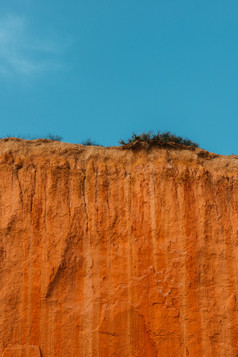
[103, 69]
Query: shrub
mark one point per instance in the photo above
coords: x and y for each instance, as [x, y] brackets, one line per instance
[159, 139]
[89, 142]
[54, 137]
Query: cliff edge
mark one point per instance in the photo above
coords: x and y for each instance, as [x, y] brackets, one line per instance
[107, 252]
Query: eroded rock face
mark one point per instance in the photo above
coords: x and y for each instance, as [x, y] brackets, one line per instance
[22, 351]
[115, 253]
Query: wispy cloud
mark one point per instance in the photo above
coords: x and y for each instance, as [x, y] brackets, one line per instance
[21, 53]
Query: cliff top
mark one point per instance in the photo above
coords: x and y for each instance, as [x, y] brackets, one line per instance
[12, 148]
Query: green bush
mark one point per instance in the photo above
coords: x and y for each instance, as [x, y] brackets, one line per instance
[159, 139]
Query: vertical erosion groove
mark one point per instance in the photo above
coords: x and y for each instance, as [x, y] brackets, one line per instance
[153, 216]
[129, 255]
[88, 283]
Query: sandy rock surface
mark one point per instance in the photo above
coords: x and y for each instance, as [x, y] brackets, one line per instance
[107, 252]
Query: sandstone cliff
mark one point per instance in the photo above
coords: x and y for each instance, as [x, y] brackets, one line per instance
[114, 253]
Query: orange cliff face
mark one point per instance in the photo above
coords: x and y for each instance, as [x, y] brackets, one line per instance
[113, 253]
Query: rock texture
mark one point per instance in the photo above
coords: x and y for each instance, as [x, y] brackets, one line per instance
[113, 253]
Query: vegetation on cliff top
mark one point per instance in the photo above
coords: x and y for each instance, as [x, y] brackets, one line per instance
[136, 141]
[89, 142]
[164, 139]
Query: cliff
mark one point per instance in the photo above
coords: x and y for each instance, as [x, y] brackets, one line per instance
[114, 253]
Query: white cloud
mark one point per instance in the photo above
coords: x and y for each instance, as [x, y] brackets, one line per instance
[21, 53]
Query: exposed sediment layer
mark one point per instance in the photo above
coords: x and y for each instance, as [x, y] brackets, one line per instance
[113, 253]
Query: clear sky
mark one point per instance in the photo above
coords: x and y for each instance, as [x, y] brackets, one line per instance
[103, 69]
